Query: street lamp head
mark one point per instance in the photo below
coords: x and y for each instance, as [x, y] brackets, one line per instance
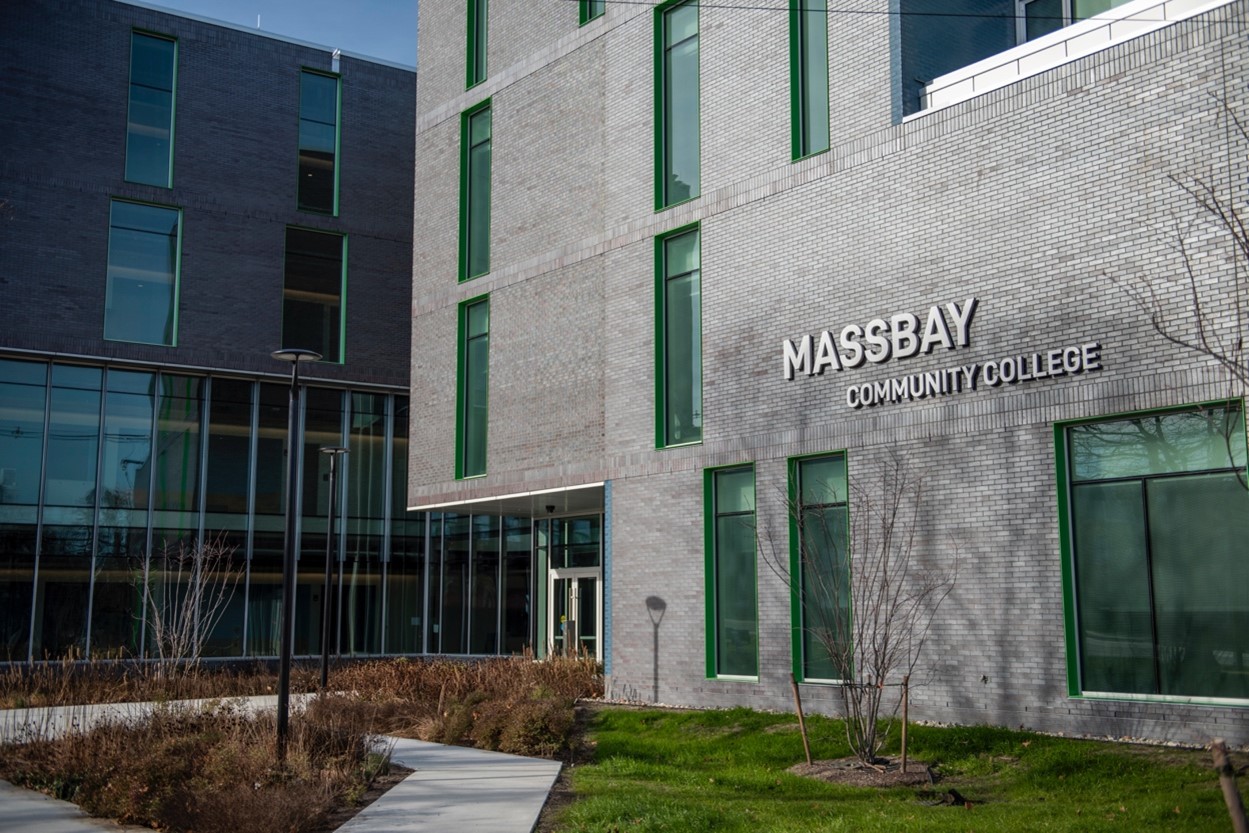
[334, 450]
[293, 355]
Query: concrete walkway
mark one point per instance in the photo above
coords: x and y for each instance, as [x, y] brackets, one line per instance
[453, 789]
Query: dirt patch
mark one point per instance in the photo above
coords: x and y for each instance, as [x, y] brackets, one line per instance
[854, 773]
[381, 785]
[581, 751]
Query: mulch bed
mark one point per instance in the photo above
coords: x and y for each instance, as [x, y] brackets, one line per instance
[887, 772]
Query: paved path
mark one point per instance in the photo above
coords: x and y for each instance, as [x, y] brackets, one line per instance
[453, 789]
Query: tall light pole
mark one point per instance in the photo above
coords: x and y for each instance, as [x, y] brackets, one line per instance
[296, 358]
[331, 551]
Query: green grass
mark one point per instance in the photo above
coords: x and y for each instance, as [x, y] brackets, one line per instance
[689, 772]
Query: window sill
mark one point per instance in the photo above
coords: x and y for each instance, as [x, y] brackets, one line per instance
[735, 678]
[1114, 26]
[1165, 698]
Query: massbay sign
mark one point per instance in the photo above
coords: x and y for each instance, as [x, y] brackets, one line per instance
[904, 335]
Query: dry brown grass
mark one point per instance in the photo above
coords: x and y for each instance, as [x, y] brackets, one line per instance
[211, 770]
[74, 682]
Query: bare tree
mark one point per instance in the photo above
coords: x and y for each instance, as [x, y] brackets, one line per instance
[868, 605]
[1205, 311]
[197, 582]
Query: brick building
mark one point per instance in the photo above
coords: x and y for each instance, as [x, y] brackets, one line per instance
[686, 277]
[180, 198]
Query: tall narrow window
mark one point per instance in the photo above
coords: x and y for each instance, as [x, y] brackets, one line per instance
[808, 67]
[318, 142]
[149, 124]
[141, 299]
[591, 9]
[678, 340]
[819, 558]
[473, 387]
[1158, 517]
[475, 135]
[312, 292]
[732, 611]
[477, 31]
[676, 94]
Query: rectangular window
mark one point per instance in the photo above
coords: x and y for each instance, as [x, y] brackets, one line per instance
[676, 97]
[472, 391]
[149, 123]
[732, 612]
[1155, 518]
[475, 136]
[318, 142]
[477, 31]
[678, 339]
[591, 9]
[141, 298]
[808, 68]
[819, 561]
[313, 286]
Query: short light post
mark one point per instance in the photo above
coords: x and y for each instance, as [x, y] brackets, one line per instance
[331, 552]
[287, 630]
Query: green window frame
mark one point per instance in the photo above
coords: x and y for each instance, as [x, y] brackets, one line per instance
[732, 583]
[472, 388]
[678, 338]
[144, 267]
[819, 567]
[677, 165]
[314, 289]
[477, 35]
[808, 76]
[150, 109]
[1154, 513]
[476, 136]
[320, 109]
[590, 9]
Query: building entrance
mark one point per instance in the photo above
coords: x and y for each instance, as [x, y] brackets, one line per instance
[576, 611]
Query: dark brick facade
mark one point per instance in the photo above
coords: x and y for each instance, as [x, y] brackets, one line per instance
[63, 93]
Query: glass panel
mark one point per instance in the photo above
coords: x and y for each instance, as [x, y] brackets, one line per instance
[517, 578]
[125, 476]
[224, 597]
[680, 110]
[361, 614]
[825, 591]
[1082, 9]
[404, 582]
[682, 340]
[1112, 588]
[399, 463]
[323, 426]
[178, 445]
[813, 83]
[140, 303]
[22, 408]
[73, 441]
[735, 585]
[118, 607]
[1043, 17]
[477, 34]
[150, 127]
[318, 140]
[454, 588]
[366, 464]
[17, 575]
[229, 452]
[271, 450]
[484, 630]
[1197, 528]
[264, 594]
[822, 481]
[591, 9]
[576, 542]
[587, 615]
[433, 615]
[62, 591]
[477, 246]
[1211, 438]
[476, 388]
[309, 590]
[312, 293]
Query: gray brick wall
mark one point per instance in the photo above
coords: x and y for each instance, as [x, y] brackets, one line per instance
[1041, 199]
[62, 157]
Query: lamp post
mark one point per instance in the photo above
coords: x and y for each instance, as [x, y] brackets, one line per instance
[331, 551]
[296, 358]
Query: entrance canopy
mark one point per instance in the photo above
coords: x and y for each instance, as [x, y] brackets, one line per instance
[586, 499]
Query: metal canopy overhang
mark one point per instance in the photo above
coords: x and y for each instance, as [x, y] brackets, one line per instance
[586, 499]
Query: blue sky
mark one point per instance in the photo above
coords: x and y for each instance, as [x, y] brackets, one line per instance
[377, 28]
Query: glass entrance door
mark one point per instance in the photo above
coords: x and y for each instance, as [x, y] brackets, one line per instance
[575, 611]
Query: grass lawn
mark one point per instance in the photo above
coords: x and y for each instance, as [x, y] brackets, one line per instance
[726, 771]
